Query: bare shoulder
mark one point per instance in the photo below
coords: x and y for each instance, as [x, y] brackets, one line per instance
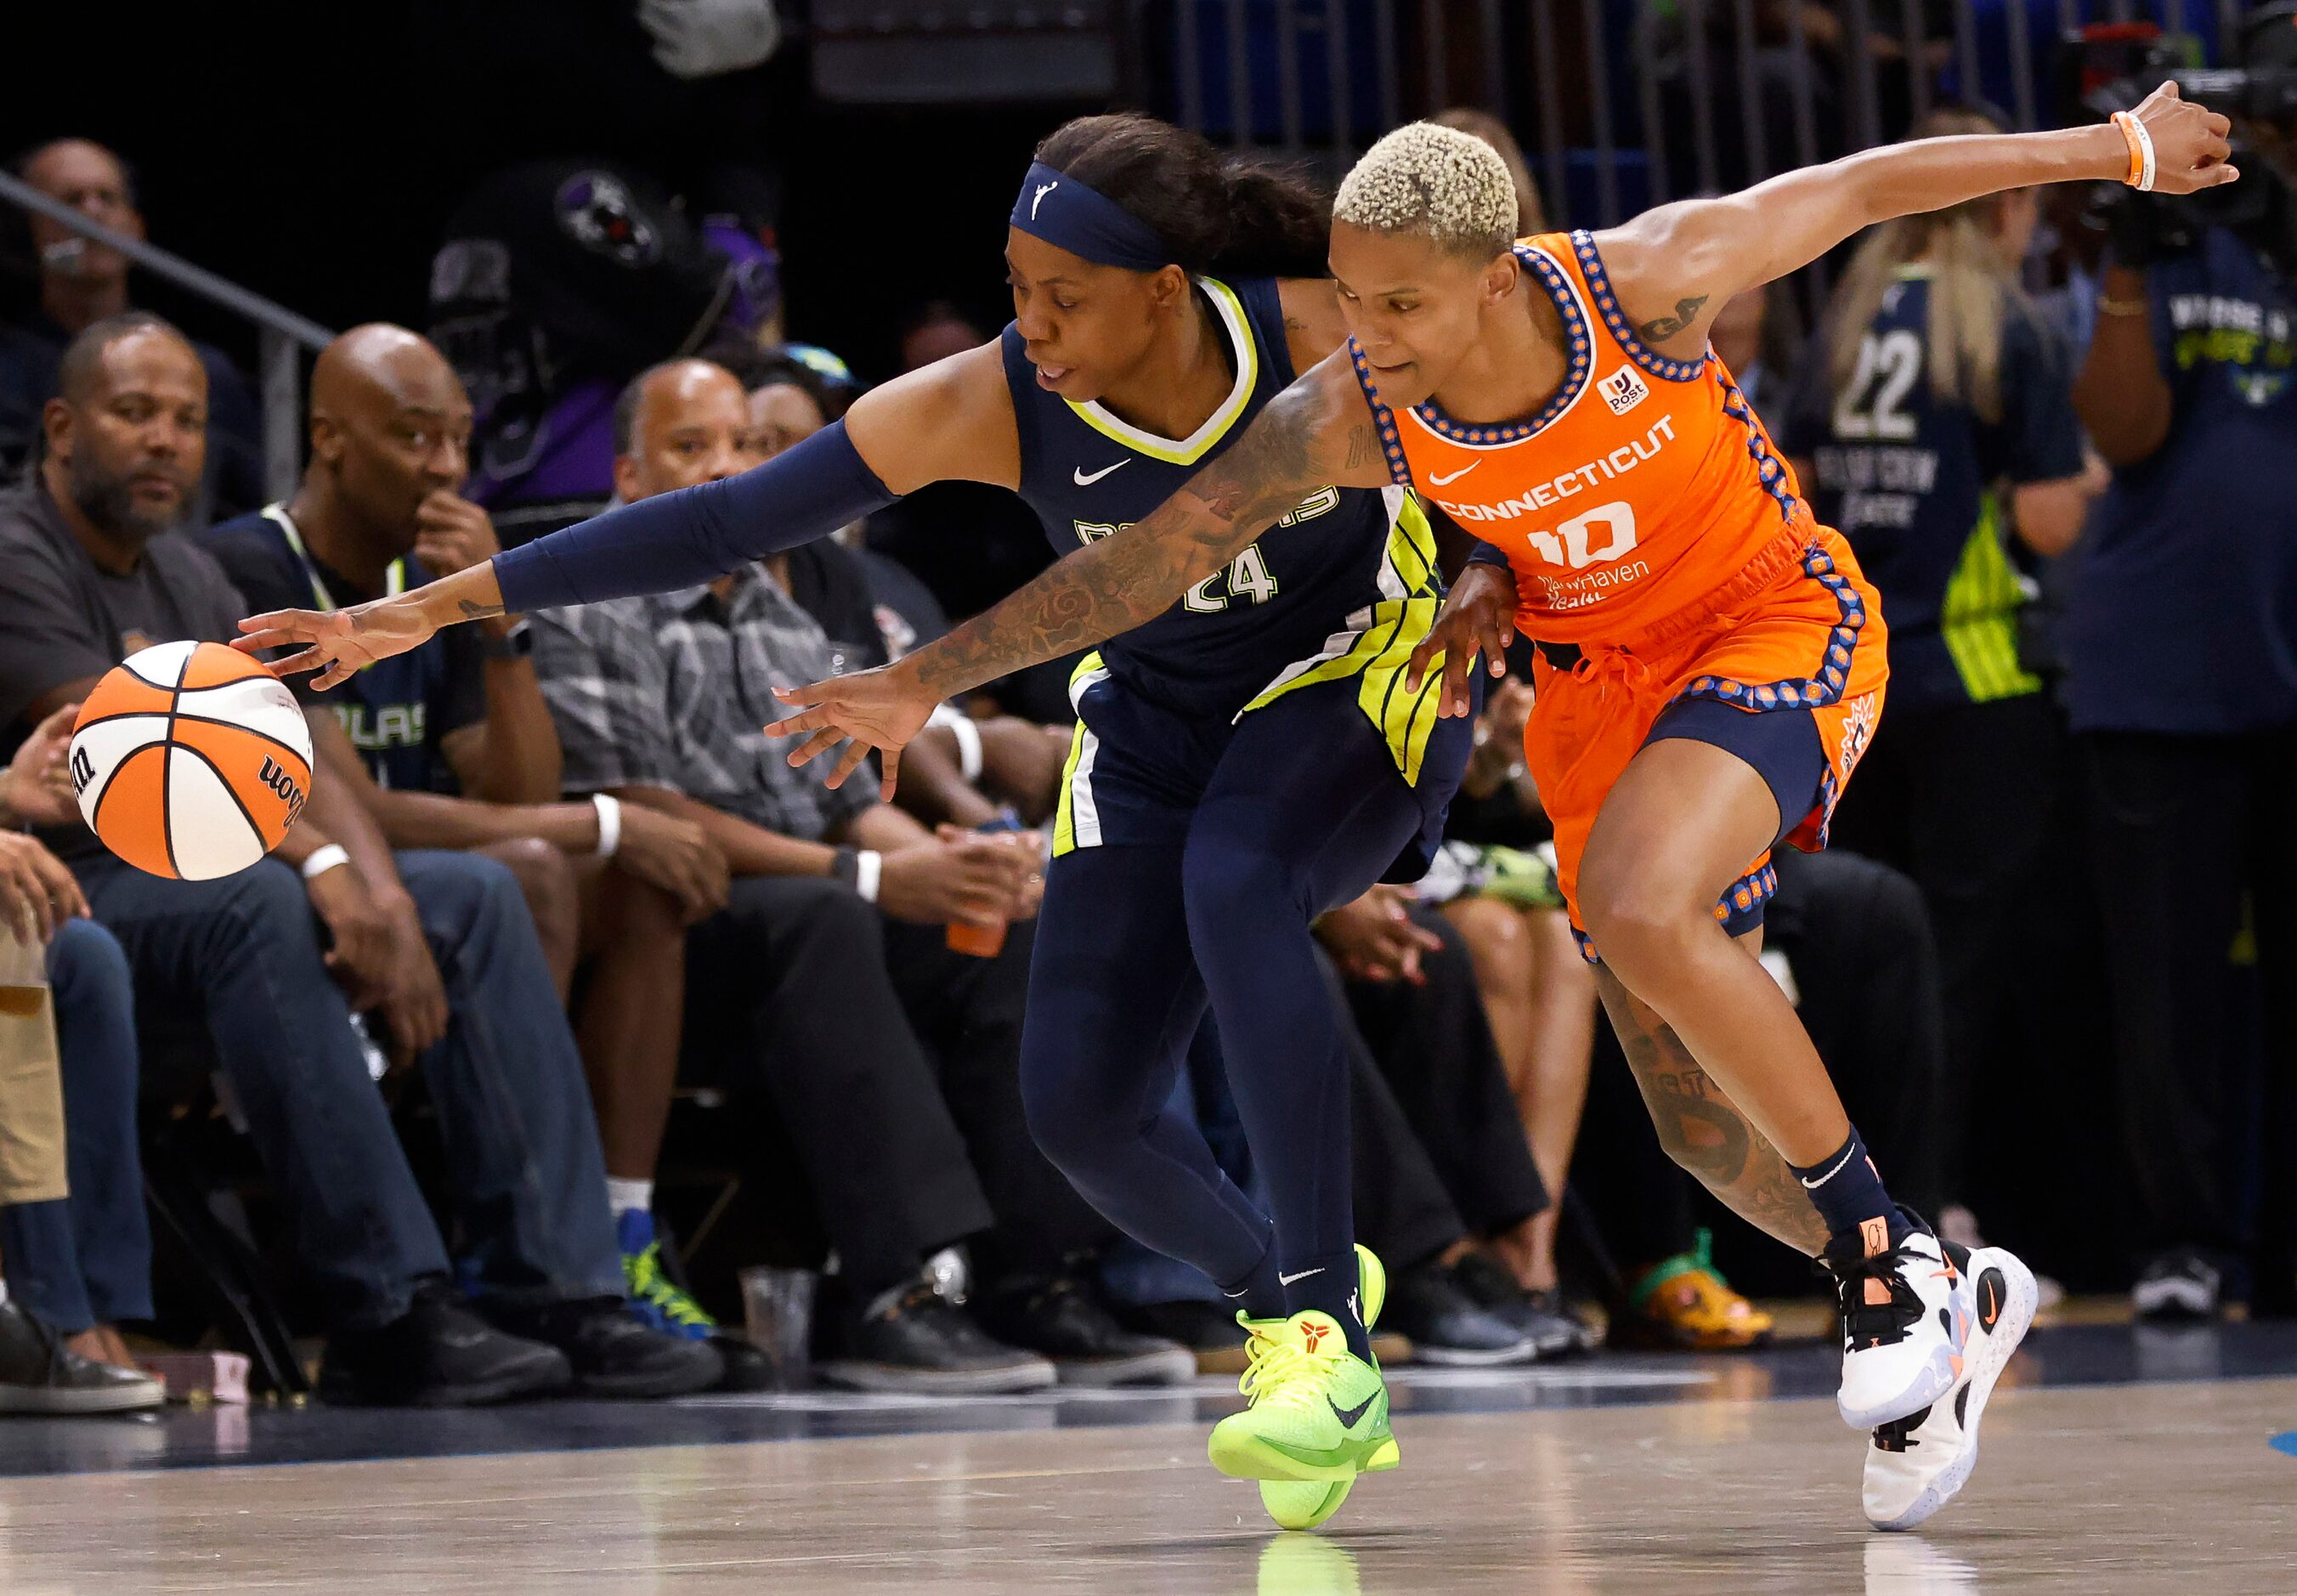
[1318, 431]
[1663, 265]
[1314, 324]
[951, 419]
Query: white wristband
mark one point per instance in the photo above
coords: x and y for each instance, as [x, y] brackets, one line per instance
[610, 824]
[324, 859]
[967, 733]
[2146, 172]
[868, 867]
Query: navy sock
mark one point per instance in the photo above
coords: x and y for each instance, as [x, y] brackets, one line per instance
[1847, 1191]
[1260, 1294]
[1331, 1284]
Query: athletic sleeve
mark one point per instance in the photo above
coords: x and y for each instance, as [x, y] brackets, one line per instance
[2042, 435]
[696, 535]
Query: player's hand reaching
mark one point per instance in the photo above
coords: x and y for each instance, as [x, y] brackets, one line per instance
[338, 644]
[1477, 618]
[2190, 147]
[881, 709]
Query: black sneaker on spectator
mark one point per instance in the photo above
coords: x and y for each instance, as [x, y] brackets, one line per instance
[2178, 1285]
[1556, 1334]
[39, 1374]
[1066, 1323]
[612, 1352]
[1446, 1325]
[437, 1354]
[913, 1339]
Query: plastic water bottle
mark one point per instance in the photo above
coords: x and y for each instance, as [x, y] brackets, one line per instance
[984, 941]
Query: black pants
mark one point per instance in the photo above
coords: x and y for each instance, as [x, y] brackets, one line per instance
[2181, 829]
[893, 1066]
[1435, 1048]
[1963, 799]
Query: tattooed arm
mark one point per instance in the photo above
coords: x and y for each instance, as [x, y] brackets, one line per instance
[1317, 432]
[1703, 1131]
[1675, 266]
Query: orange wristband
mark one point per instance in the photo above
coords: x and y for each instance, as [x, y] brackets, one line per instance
[2141, 150]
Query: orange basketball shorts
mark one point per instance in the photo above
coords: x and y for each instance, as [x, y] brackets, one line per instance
[1810, 642]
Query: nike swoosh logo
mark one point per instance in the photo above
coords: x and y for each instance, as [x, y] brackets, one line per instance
[1829, 1174]
[1083, 480]
[1455, 476]
[1348, 1416]
[1302, 1275]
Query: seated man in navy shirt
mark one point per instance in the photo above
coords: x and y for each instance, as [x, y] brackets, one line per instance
[456, 748]
[82, 282]
[2180, 640]
[439, 943]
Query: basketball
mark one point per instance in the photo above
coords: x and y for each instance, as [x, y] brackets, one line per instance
[191, 761]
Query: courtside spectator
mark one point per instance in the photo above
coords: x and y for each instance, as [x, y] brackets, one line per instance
[456, 749]
[1413, 985]
[82, 282]
[831, 964]
[875, 612]
[441, 944]
[2180, 643]
[77, 1261]
[1934, 427]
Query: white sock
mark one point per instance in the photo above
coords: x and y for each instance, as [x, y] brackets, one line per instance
[622, 1196]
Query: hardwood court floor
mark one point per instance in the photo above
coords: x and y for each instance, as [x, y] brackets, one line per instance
[2091, 1489]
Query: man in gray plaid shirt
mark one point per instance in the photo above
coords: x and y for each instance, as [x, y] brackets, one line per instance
[828, 984]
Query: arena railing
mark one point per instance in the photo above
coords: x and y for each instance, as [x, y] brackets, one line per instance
[280, 334]
[1619, 104]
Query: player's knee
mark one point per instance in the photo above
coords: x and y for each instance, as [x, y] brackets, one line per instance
[1070, 1124]
[1640, 917]
[1226, 885]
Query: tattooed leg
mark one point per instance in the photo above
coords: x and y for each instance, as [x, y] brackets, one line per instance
[1704, 1132]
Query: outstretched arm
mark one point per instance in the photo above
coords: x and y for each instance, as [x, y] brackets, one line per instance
[1317, 432]
[951, 419]
[1675, 268]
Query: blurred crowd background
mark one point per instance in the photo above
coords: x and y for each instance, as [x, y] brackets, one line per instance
[583, 1043]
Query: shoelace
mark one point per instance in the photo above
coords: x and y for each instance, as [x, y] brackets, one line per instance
[1899, 1435]
[1867, 1324]
[1281, 1373]
[650, 1285]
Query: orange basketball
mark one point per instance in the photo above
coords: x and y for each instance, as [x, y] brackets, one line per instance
[191, 761]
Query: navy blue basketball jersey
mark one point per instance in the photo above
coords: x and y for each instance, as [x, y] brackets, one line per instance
[1345, 585]
[1914, 483]
[397, 711]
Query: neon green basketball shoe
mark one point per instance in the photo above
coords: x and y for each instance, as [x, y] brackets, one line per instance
[1317, 1418]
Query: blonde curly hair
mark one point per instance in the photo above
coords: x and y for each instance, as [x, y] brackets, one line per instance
[1446, 185]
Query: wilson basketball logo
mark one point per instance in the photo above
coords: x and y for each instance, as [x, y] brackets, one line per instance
[1623, 390]
[283, 786]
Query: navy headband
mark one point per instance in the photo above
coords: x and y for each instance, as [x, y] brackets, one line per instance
[1069, 215]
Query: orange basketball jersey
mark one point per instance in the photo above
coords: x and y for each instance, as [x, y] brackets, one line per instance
[1643, 498]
